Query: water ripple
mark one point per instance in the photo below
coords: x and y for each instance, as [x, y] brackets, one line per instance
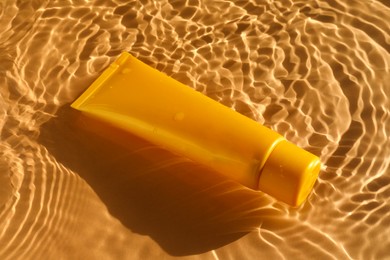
[315, 71]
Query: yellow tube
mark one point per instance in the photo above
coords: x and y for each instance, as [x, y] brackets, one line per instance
[145, 102]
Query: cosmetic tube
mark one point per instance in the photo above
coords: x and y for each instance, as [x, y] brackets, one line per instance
[147, 103]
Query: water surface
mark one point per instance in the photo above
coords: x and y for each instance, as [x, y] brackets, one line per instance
[315, 71]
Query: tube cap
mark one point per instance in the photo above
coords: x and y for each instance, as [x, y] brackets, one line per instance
[289, 173]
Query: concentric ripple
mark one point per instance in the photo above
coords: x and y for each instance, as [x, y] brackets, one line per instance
[315, 71]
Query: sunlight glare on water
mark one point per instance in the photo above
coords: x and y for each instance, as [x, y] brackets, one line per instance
[317, 72]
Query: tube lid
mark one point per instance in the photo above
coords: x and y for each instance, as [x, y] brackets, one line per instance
[289, 173]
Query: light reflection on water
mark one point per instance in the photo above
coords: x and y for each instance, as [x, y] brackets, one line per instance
[315, 71]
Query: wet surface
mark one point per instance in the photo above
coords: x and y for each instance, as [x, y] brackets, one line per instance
[317, 72]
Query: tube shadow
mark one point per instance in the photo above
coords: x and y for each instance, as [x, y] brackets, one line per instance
[184, 207]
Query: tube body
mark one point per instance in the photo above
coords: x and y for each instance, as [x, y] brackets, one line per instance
[153, 106]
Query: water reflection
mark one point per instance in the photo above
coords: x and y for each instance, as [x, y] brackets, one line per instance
[315, 71]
